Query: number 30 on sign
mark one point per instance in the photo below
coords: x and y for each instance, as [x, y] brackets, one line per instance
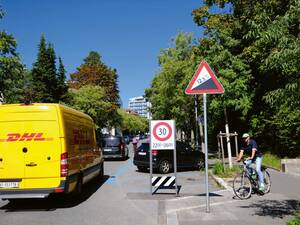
[162, 134]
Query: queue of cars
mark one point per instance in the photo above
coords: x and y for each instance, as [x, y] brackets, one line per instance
[162, 160]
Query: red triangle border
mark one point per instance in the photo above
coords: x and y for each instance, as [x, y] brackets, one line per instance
[219, 88]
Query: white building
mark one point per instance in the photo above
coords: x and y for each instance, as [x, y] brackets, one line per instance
[140, 105]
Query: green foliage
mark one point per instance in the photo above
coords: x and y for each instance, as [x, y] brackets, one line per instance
[45, 83]
[62, 87]
[166, 93]
[11, 69]
[96, 73]
[218, 168]
[91, 100]
[132, 124]
[296, 220]
[271, 160]
[225, 172]
[255, 52]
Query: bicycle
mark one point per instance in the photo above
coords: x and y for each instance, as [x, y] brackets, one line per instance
[246, 182]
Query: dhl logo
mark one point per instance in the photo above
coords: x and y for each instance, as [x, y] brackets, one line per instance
[25, 137]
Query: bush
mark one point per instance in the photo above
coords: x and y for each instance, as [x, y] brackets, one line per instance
[220, 171]
[272, 161]
[296, 220]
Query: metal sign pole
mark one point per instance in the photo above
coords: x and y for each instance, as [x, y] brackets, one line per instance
[206, 155]
[151, 170]
[150, 160]
[196, 130]
[204, 81]
[175, 161]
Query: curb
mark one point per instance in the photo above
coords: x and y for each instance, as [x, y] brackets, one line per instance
[221, 182]
[273, 168]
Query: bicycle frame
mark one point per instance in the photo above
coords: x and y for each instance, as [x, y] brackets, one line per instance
[246, 179]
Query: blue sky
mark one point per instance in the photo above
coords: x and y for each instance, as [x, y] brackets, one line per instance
[128, 34]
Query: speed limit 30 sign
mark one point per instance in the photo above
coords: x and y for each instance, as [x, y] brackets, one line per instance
[162, 134]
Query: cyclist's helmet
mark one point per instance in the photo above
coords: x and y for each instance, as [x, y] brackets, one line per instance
[245, 135]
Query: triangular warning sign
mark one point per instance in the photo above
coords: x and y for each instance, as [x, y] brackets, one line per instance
[204, 81]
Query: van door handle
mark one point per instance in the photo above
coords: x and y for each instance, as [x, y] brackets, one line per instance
[31, 164]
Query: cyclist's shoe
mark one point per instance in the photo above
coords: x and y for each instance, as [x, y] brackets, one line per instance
[261, 189]
[253, 176]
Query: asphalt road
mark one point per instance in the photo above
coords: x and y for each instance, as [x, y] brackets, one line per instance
[123, 197]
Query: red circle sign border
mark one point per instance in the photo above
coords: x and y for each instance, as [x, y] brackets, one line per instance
[165, 138]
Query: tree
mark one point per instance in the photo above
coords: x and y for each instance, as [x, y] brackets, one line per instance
[91, 100]
[11, 69]
[46, 84]
[43, 75]
[62, 87]
[132, 124]
[94, 72]
[278, 41]
[255, 51]
[166, 94]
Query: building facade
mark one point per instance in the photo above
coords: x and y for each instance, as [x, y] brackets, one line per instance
[140, 105]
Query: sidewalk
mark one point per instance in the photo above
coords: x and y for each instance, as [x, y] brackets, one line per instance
[275, 208]
[225, 210]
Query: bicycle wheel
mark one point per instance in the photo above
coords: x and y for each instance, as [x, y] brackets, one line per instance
[242, 186]
[267, 181]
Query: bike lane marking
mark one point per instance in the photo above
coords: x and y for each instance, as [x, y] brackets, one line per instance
[118, 173]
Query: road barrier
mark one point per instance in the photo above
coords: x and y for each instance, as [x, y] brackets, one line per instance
[164, 182]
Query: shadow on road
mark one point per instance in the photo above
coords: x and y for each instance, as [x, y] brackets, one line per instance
[211, 194]
[54, 202]
[156, 171]
[116, 159]
[274, 208]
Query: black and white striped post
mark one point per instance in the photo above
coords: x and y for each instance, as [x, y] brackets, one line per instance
[162, 136]
[164, 182]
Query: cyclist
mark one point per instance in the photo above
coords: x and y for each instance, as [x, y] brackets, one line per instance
[250, 147]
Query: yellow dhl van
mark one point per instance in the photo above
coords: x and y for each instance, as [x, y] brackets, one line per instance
[44, 149]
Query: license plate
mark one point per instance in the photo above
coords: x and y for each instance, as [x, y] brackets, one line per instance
[9, 184]
[142, 153]
[107, 149]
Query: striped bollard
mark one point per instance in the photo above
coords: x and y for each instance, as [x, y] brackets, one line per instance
[164, 182]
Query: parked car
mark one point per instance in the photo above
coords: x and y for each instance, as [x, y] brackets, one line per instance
[163, 160]
[114, 147]
[127, 139]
